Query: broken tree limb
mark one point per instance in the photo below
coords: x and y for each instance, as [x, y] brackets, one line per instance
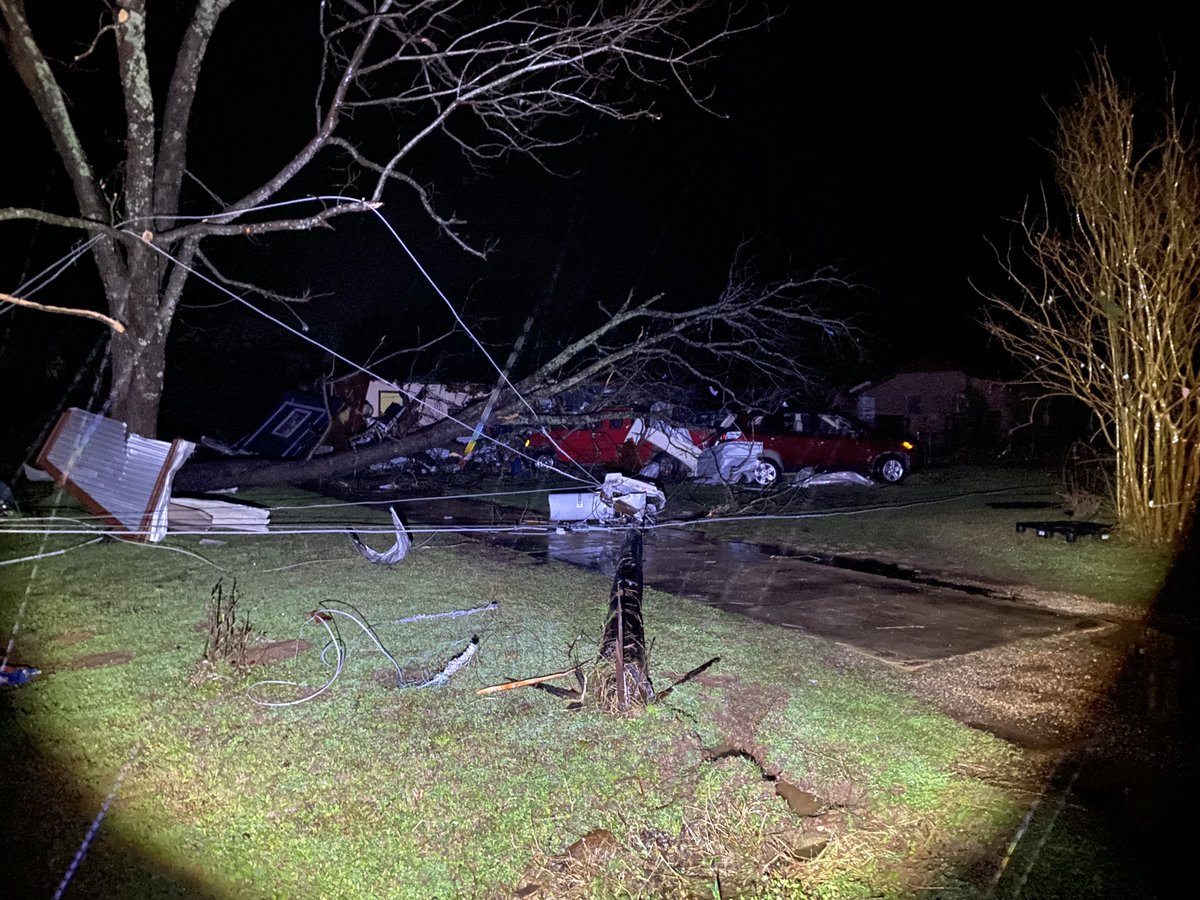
[524, 682]
[392, 555]
[699, 670]
[64, 310]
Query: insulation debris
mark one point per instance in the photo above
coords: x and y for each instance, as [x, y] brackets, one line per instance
[391, 556]
[204, 514]
[620, 498]
[442, 678]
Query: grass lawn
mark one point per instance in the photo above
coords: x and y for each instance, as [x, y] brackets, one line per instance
[370, 790]
[374, 790]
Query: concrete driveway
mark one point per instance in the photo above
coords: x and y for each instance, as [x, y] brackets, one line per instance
[900, 617]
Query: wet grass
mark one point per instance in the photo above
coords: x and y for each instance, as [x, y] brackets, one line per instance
[370, 790]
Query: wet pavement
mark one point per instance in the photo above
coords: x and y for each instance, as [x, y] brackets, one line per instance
[902, 617]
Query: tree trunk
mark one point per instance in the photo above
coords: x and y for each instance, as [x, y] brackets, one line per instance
[138, 355]
[137, 379]
[240, 472]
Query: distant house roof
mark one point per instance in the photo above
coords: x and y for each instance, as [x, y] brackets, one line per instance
[927, 365]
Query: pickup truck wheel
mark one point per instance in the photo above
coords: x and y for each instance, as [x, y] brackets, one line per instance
[767, 473]
[891, 469]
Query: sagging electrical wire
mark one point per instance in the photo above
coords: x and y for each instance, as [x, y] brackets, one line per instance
[282, 531]
[589, 478]
[81, 852]
[426, 499]
[528, 529]
[430, 498]
[35, 283]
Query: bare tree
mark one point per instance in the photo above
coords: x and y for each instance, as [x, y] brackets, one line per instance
[770, 335]
[485, 81]
[1110, 311]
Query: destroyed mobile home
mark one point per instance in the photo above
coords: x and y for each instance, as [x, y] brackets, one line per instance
[358, 411]
[347, 412]
[126, 479]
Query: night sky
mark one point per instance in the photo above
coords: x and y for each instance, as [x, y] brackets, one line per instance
[890, 146]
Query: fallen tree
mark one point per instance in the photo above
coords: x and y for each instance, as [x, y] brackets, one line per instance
[753, 340]
[135, 103]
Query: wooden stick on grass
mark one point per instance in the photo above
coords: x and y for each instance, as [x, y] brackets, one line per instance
[524, 682]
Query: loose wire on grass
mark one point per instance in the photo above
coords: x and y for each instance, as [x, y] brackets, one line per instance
[49, 553]
[160, 546]
[309, 562]
[324, 616]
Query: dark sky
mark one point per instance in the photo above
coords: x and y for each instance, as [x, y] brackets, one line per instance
[890, 145]
[893, 147]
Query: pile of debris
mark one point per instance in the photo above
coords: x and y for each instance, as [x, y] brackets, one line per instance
[353, 411]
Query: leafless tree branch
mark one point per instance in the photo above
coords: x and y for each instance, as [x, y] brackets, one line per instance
[757, 334]
[1106, 309]
[485, 80]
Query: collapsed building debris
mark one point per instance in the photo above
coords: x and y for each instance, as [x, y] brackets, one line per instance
[206, 513]
[123, 478]
[619, 498]
[729, 462]
[293, 429]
